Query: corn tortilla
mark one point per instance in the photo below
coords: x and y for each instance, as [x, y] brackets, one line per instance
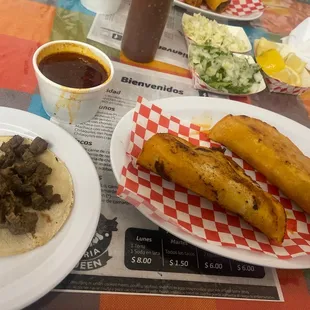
[49, 221]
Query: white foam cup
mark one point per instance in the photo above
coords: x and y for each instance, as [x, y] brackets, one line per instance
[66, 104]
[102, 6]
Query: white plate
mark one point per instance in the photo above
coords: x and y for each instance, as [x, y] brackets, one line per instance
[188, 107]
[27, 277]
[224, 15]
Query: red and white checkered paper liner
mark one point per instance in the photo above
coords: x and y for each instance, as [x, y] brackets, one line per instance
[174, 205]
[244, 7]
[276, 86]
[239, 7]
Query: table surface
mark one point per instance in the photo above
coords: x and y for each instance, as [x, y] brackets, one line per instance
[25, 25]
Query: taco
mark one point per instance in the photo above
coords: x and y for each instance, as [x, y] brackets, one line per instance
[36, 194]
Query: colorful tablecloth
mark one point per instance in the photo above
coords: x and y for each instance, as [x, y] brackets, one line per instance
[25, 25]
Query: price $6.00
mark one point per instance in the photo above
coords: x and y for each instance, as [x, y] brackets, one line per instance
[245, 268]
[218, 266]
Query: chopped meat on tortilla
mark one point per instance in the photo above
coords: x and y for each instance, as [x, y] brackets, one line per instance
[15, 182]
[26, 189]
[13, 143]
[9, 159]
[22, 223]
[39, 177]
[38, 146]
[3, 186]
[26, 168]
[27, 155]
[38, 202]
[21, 149]
[46, 191]
[2, 213]
[43, 169]
[26, 200]
[23, 185]
[56, 199]
[2, 159]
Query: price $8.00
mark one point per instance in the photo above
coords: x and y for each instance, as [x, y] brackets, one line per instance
[141, 260]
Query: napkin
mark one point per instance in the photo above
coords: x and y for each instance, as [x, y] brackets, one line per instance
[299, 41]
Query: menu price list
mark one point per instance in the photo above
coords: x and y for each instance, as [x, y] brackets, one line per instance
[156, 250]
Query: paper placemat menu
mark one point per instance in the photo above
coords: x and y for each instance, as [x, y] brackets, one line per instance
[128, 252]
